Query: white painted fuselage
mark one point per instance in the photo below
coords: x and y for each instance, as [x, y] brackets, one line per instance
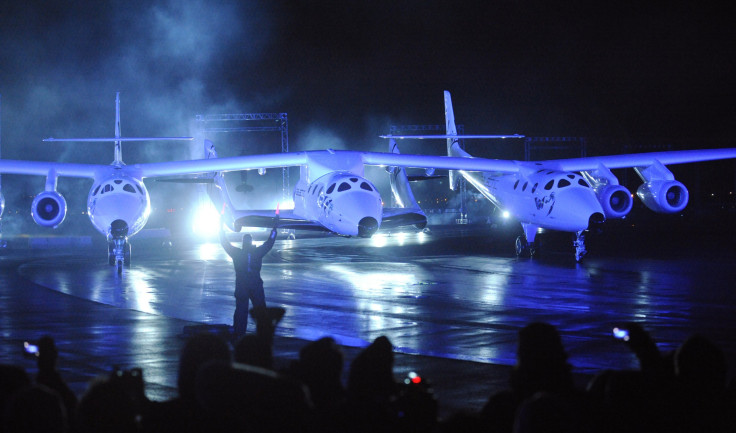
[555, 200]
[118, 196]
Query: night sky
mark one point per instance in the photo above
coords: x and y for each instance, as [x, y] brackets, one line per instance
[345, 70]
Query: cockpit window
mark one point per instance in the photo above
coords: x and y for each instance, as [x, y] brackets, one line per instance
[571, 176]
[563, 183]
[140, 190]
[97, 190]
[128, 187]
[516, 183]
[534, 188]
[343, 187]
[523, 188]
[118, 181]
[581, 182]
[107, 188]
[353, 179]
[549, 185]
[365, 186]
[331, 188]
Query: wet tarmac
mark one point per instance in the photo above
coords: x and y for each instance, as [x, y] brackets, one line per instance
[451, 301]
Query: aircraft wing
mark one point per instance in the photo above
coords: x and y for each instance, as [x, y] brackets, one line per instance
[640, 159]
[292, 159]
[44, 168]
[399, 216]
[267, 218]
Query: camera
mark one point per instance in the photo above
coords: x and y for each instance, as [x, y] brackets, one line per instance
[30, 349]
[621, 334]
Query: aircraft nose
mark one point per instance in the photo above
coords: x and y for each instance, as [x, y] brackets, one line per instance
[367, 226]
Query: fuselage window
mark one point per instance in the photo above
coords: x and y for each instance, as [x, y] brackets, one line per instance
[534, 188]
[516, 183]
[583, 183]
[549, 185]
[331, 188]
[523, 188]
[365, 186]
[563, 183]
[343, 187]
[128, 187]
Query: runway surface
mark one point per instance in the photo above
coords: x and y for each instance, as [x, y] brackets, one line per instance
[455, 296]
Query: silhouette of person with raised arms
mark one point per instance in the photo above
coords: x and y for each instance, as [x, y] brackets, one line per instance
[247, 262]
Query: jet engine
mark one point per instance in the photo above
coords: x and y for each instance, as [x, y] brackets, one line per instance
[664, 196]
[48, 209]
[615, 200]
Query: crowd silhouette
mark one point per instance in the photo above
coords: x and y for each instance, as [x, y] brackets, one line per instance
[224, 388]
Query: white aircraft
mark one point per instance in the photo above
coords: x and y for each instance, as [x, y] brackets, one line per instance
[332, 193]
[572, 195]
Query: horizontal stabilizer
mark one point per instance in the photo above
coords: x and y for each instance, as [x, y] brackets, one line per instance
[422, 137]
[185, 179]
[120, 139]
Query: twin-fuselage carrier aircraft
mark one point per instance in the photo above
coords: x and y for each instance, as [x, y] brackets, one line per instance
[332, 193]
[571, 195]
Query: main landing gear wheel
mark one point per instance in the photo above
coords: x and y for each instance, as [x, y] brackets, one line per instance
[126, 254]
[579, 244]
[525, 249]
[110, 254]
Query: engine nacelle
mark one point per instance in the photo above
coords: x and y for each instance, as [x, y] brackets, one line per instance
[615, 200]
[664, 196]
[48, 209]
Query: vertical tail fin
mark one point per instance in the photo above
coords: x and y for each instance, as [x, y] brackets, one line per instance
[453, 147]
[118, 145]
[217, 190]
[400, 182]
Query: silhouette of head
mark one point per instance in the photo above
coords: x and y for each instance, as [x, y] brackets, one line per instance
[540, 344]
[198, 350]
[247, 240]
[700, 362]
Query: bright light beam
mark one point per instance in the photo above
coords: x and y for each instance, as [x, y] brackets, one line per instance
[206, 221]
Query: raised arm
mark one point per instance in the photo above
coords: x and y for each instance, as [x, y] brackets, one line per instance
[229, 248]
[266, 247]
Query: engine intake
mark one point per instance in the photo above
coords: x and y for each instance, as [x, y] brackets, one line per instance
[48, 209]
[664, 196]
[615, 200]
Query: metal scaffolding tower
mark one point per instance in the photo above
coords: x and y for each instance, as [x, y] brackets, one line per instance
[279, 123]
[440, 129]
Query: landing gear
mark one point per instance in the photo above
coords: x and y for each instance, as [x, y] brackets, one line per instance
[525, 244]
[118, 248]
[579, 244]
[524, 248]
